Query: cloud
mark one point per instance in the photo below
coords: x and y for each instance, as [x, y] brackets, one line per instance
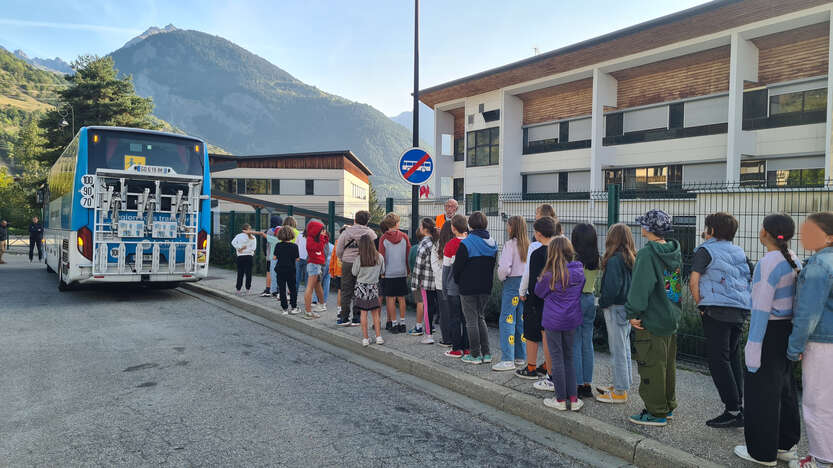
[74, 26]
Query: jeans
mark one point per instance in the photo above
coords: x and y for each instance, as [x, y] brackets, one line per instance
[458, 335]
[619, 342]
[560, 345]
[273, 286]
[583, 351]
[300, 272]
[474, 311]
[287, 281]
[244, 269]
[723, 341]
[511, 322]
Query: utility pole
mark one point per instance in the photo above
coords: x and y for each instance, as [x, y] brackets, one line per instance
[415, 188]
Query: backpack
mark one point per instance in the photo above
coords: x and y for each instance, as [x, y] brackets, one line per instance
[673, 285]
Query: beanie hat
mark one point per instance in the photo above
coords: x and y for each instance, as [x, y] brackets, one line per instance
[275, 221]
[656, 222]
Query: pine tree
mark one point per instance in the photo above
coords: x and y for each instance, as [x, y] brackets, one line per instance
[377, 211]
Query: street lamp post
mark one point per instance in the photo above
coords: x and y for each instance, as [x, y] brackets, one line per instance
[415, 188]
[63, 113]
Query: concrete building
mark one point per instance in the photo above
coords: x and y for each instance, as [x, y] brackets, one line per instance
[306, 180]
[729, 91]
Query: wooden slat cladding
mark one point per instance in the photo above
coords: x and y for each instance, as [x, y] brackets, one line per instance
[353, 169]
[691, 75]
[725, 17]
[791, 55]
[558, 102]
[318, 162]
[459, 121]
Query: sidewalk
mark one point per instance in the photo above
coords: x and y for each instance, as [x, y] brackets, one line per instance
[698, 400]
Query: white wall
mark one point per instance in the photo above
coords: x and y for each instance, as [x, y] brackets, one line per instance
[443, 164]
[800, 139]
[511, 144]
[491, 101]
[807, 162]
[483, 179]
[556, 161]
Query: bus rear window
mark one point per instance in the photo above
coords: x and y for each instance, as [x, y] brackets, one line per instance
[109, 149]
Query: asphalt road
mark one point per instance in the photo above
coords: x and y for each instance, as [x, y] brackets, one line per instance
[127, 376]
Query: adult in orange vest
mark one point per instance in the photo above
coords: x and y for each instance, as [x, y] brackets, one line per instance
[450, 210]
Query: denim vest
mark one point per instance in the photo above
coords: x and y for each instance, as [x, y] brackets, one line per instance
[813, 319]
[726, 282]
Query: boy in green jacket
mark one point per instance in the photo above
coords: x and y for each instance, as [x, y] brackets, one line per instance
[654, 312]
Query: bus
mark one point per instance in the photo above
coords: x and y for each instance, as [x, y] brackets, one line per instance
[127, 205]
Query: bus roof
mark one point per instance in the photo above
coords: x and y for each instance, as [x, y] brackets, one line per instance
[142, 130]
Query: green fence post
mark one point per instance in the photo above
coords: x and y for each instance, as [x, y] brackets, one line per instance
[389, 205]
[290, 210]
[257, 227]
[613, 204]
[331, 219]
[475, 202]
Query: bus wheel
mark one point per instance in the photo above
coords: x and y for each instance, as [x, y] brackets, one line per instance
[61, 285]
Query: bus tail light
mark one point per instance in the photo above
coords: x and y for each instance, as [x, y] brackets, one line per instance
[85, 242]
[202, 240]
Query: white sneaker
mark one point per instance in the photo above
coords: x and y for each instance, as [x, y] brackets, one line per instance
[740, 450]
[504, 366]
[520, 362]
[427, 340]
[555, 404]
[380, 340]
[788, 455]
[294, 311]
[577, 405]
[365, 342]
[807, 462]
[248, 292]
[285, 312]
[544, 385]
[323, 308]
[319, 307]
[339, 310]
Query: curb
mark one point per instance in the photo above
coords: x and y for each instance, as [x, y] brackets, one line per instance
[631, 447]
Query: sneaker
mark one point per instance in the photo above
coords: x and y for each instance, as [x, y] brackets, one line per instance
[726, 420]
[380, 340]
[248, 292]
[402, 329]
[338, 310]
[545, 385]
[520, 362]
[238, 293]
[468, 359]
[576, 405]
[487, 358]
[308, 316]
[455, 353]
[612, 397]
[806, 462]
[365, 342]
[740, 450]
[275, 295]
[319, 307]
[316, 315]
[415, 331]
[265, 293]
[294, 311]
[342, 323]
[584, 391]
[555, 404]
[447, 345]
[503, 366]
[285, 312]
[670, 415]
[525, 373]
[542, 370]
[427, 340]
[356, 322]
[388, 325]
[788, 456]
[647, 419]
[323, 307]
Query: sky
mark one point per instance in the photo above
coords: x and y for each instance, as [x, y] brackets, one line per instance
[361, 49]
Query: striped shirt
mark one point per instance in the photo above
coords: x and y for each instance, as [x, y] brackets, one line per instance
[773, 290]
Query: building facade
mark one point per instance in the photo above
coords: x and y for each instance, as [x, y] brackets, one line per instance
[305, 180]
[729, 91]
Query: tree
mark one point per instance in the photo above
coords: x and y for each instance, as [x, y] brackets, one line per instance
[18, 195]
[96, 96]
[377, 211]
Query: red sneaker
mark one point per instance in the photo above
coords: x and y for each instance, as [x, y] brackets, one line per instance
[454, 353]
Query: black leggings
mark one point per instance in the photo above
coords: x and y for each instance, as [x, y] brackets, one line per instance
[244, 268]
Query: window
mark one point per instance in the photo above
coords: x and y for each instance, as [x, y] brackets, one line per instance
[562, 181]
[358, 191]
[241, 186]
[754, 104]
[459, 149]
[795, 178]
[614, 124]
[646, 178]
[223, 185]
[488, 204]
[675, 115]
[276, 187]
[802, 101]
[257, 187]
[483, 147]
[564, 132]
[752, 173]
[459, 193]
[309, 187]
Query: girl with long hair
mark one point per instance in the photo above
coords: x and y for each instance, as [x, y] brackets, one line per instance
[510, 270]
[423, 278]
[367, 269]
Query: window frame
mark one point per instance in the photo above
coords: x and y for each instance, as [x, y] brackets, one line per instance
[488, 146]
[309, 187]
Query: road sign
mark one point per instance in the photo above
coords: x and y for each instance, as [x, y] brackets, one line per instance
[416, 166]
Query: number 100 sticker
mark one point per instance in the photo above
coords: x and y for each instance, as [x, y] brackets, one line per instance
[87, 190]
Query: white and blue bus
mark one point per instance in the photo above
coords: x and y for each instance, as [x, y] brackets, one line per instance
[128, 205]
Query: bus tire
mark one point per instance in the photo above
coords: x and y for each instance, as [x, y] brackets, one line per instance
[62, 287]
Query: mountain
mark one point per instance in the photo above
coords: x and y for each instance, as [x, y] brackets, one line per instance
[56, 65]
[426, 123]
[212, 88]
[150, 32]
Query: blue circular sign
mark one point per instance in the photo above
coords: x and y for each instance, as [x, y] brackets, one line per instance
[416, 166]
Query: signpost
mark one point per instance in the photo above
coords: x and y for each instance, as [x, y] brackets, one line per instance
[416, 166]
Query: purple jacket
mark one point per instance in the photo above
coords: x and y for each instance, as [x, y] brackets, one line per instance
[562, 309]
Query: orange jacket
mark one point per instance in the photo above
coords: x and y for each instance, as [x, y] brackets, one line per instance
[440, 220]
[335, 263]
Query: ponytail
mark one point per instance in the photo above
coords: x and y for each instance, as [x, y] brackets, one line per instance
[781, 228]
[429, 225]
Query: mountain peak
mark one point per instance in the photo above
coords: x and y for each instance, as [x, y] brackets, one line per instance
[150, 32]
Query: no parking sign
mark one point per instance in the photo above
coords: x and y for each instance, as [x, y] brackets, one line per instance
[416, 166]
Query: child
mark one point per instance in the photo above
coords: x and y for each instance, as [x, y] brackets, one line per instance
[544, 229]
[335, 271]
[394, 247]
[383, 228]
[560, 287]
[617, 263]
[720, 285]
[270, 235]
[316, 243]
[437, 268]
[473, 270]
[510, 269]
[290, 221]
[245, 245]
[811, 340]
[422, 277]
[772, 425]
[458, 335]
[325, 277]
[586, 245]
[655, 318]
[348, 252]
[301, 268]
[367, 269]
[415, 294]
[540, 212]
[286, 253]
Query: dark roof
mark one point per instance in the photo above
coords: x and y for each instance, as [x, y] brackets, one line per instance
[589, 42]
[313, 154]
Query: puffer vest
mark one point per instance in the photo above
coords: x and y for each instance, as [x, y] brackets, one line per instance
[726, 282]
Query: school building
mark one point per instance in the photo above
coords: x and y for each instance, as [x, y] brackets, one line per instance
[729, 91]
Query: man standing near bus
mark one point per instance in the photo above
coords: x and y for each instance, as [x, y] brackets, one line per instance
[35, 239]
[450, 210]
[4, 238]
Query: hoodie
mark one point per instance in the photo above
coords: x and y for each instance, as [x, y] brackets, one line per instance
[647, 299]
[562, 307]
[316, 243]
[474, 265]
[395, 247]
[449, 286]
[348, 242]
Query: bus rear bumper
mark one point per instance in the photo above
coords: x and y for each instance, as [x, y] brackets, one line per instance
[141, 278]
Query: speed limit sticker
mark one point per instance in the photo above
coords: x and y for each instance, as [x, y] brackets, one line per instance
[87, 190]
